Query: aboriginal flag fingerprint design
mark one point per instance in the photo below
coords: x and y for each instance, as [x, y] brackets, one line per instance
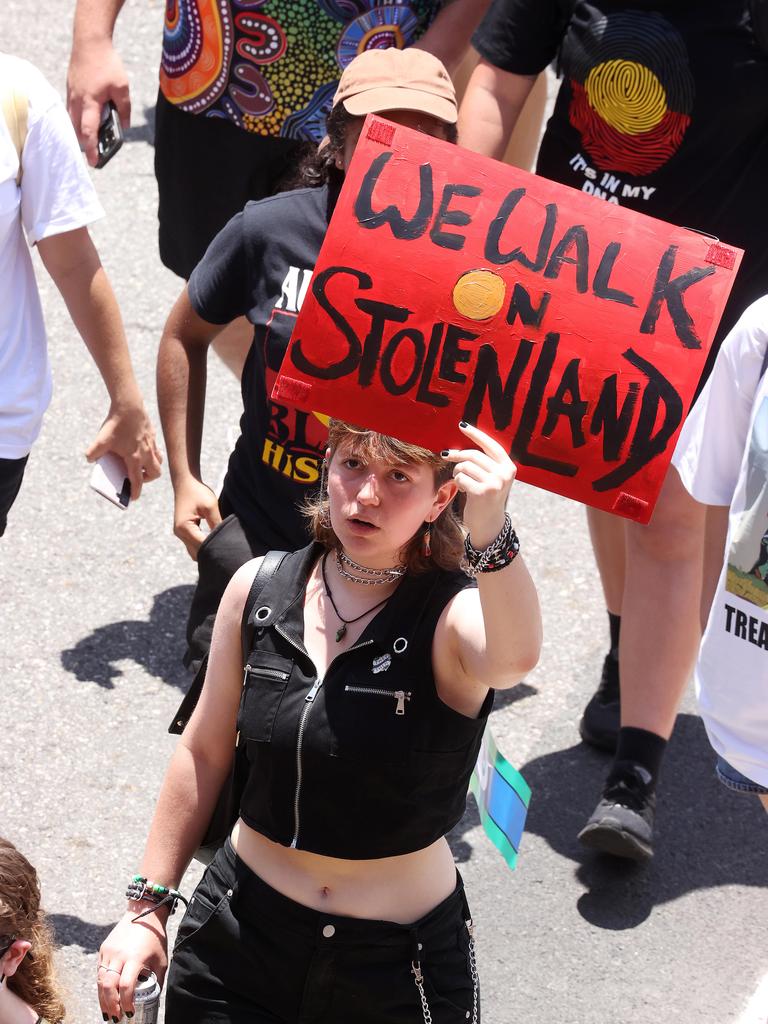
[632, 92]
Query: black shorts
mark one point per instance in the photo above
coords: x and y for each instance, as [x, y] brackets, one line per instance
[207, 169]
[11, 473]
[245, 954]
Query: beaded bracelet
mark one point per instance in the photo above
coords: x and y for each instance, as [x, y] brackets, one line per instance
[497, 555]
[140, 888]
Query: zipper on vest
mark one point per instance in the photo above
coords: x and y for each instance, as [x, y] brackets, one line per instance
[401, 696]
[309, 700]
[270, 673]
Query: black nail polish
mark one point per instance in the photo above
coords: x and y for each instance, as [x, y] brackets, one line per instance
[445, 453]
[114, 1020]
[463, 423]
[105, 1017]
[129, 1014]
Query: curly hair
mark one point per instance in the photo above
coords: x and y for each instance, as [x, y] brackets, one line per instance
[447, 534]
[21, 917]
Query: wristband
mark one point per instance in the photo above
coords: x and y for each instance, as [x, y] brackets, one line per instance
[140, 888]
[503, 550]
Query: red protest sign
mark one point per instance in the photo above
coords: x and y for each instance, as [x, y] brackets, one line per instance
[454, 287]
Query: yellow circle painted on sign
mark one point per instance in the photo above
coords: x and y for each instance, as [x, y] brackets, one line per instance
[479, 294]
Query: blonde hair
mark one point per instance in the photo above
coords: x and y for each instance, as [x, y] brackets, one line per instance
[447, 535]
[22, 918]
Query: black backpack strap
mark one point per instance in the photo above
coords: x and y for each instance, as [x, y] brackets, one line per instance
[270, 563]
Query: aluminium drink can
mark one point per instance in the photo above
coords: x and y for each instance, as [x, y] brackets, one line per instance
[146, 999]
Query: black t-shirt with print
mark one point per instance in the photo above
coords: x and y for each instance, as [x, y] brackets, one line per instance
[259, 265]
[663, 107]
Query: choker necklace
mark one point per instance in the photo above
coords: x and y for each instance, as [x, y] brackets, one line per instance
[341, 632]
[375, 576]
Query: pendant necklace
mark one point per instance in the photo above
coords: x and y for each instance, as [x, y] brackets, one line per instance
[341, 632]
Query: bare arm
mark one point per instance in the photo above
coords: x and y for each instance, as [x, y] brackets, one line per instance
[715, 533]
[195, 775]
[491, 107]
[73, 263]
[96, 72]
[449, 34]
[181, 381]
[492, 636]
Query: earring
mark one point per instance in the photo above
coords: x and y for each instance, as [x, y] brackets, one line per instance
[325, 514]
[428, 540]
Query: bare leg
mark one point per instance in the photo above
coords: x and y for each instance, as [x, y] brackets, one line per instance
[764, 801]
[606, 532]
[660, 614]
[233, 343]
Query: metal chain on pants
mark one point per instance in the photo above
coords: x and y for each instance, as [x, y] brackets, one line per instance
[418, 978]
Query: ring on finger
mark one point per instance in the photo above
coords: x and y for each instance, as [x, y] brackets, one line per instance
[114, 970]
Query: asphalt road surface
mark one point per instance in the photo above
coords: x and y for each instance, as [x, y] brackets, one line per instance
[93, 611]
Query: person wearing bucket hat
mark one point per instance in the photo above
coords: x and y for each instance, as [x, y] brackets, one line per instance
[259, 266]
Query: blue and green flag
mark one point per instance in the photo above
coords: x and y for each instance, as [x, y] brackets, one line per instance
[502, 796]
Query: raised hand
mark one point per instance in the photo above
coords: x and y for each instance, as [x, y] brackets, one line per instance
[485, 474]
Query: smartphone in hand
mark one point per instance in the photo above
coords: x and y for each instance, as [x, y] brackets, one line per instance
[110, 480]
[110, 136]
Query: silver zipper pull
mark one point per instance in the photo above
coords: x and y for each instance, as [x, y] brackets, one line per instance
[246, 671]
[401, 698]
[313, 692]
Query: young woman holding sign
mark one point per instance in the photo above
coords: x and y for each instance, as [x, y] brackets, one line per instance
[260, 265]
[336, 898]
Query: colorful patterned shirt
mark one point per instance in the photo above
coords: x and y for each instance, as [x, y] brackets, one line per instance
[272, 66]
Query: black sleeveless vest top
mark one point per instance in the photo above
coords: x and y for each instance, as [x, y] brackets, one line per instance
[368, 761]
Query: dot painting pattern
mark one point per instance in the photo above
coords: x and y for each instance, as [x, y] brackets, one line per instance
[632, 92]
[271, 66]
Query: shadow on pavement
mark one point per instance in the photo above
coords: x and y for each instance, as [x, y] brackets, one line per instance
[143, 132]
[699, 825]
[156, 644]
[73, 931]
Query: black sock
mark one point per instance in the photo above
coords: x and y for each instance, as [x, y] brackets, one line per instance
[614, 624]
[642, 749]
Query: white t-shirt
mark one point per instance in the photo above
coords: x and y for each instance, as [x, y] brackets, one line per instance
[722, 458]
[56, 195]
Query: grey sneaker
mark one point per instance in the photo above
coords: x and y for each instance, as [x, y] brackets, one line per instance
[599, 725]
[622, 823]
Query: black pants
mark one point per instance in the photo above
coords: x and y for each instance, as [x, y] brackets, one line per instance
[245, 954]
[207, 169]
[11, 473]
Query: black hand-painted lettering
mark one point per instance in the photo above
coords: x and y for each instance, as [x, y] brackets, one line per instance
[574, 408]
[348, 364]
[522, 306]
[452, 218]
[531, 410]
[453, 354]
[601, 284]
[575, 238]
[612, 421]
[380, 313]
[487, 382]
[669, 290]
[494, 254]
[395, 343]
[645, 445]
[423, 394]
[400, 226]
